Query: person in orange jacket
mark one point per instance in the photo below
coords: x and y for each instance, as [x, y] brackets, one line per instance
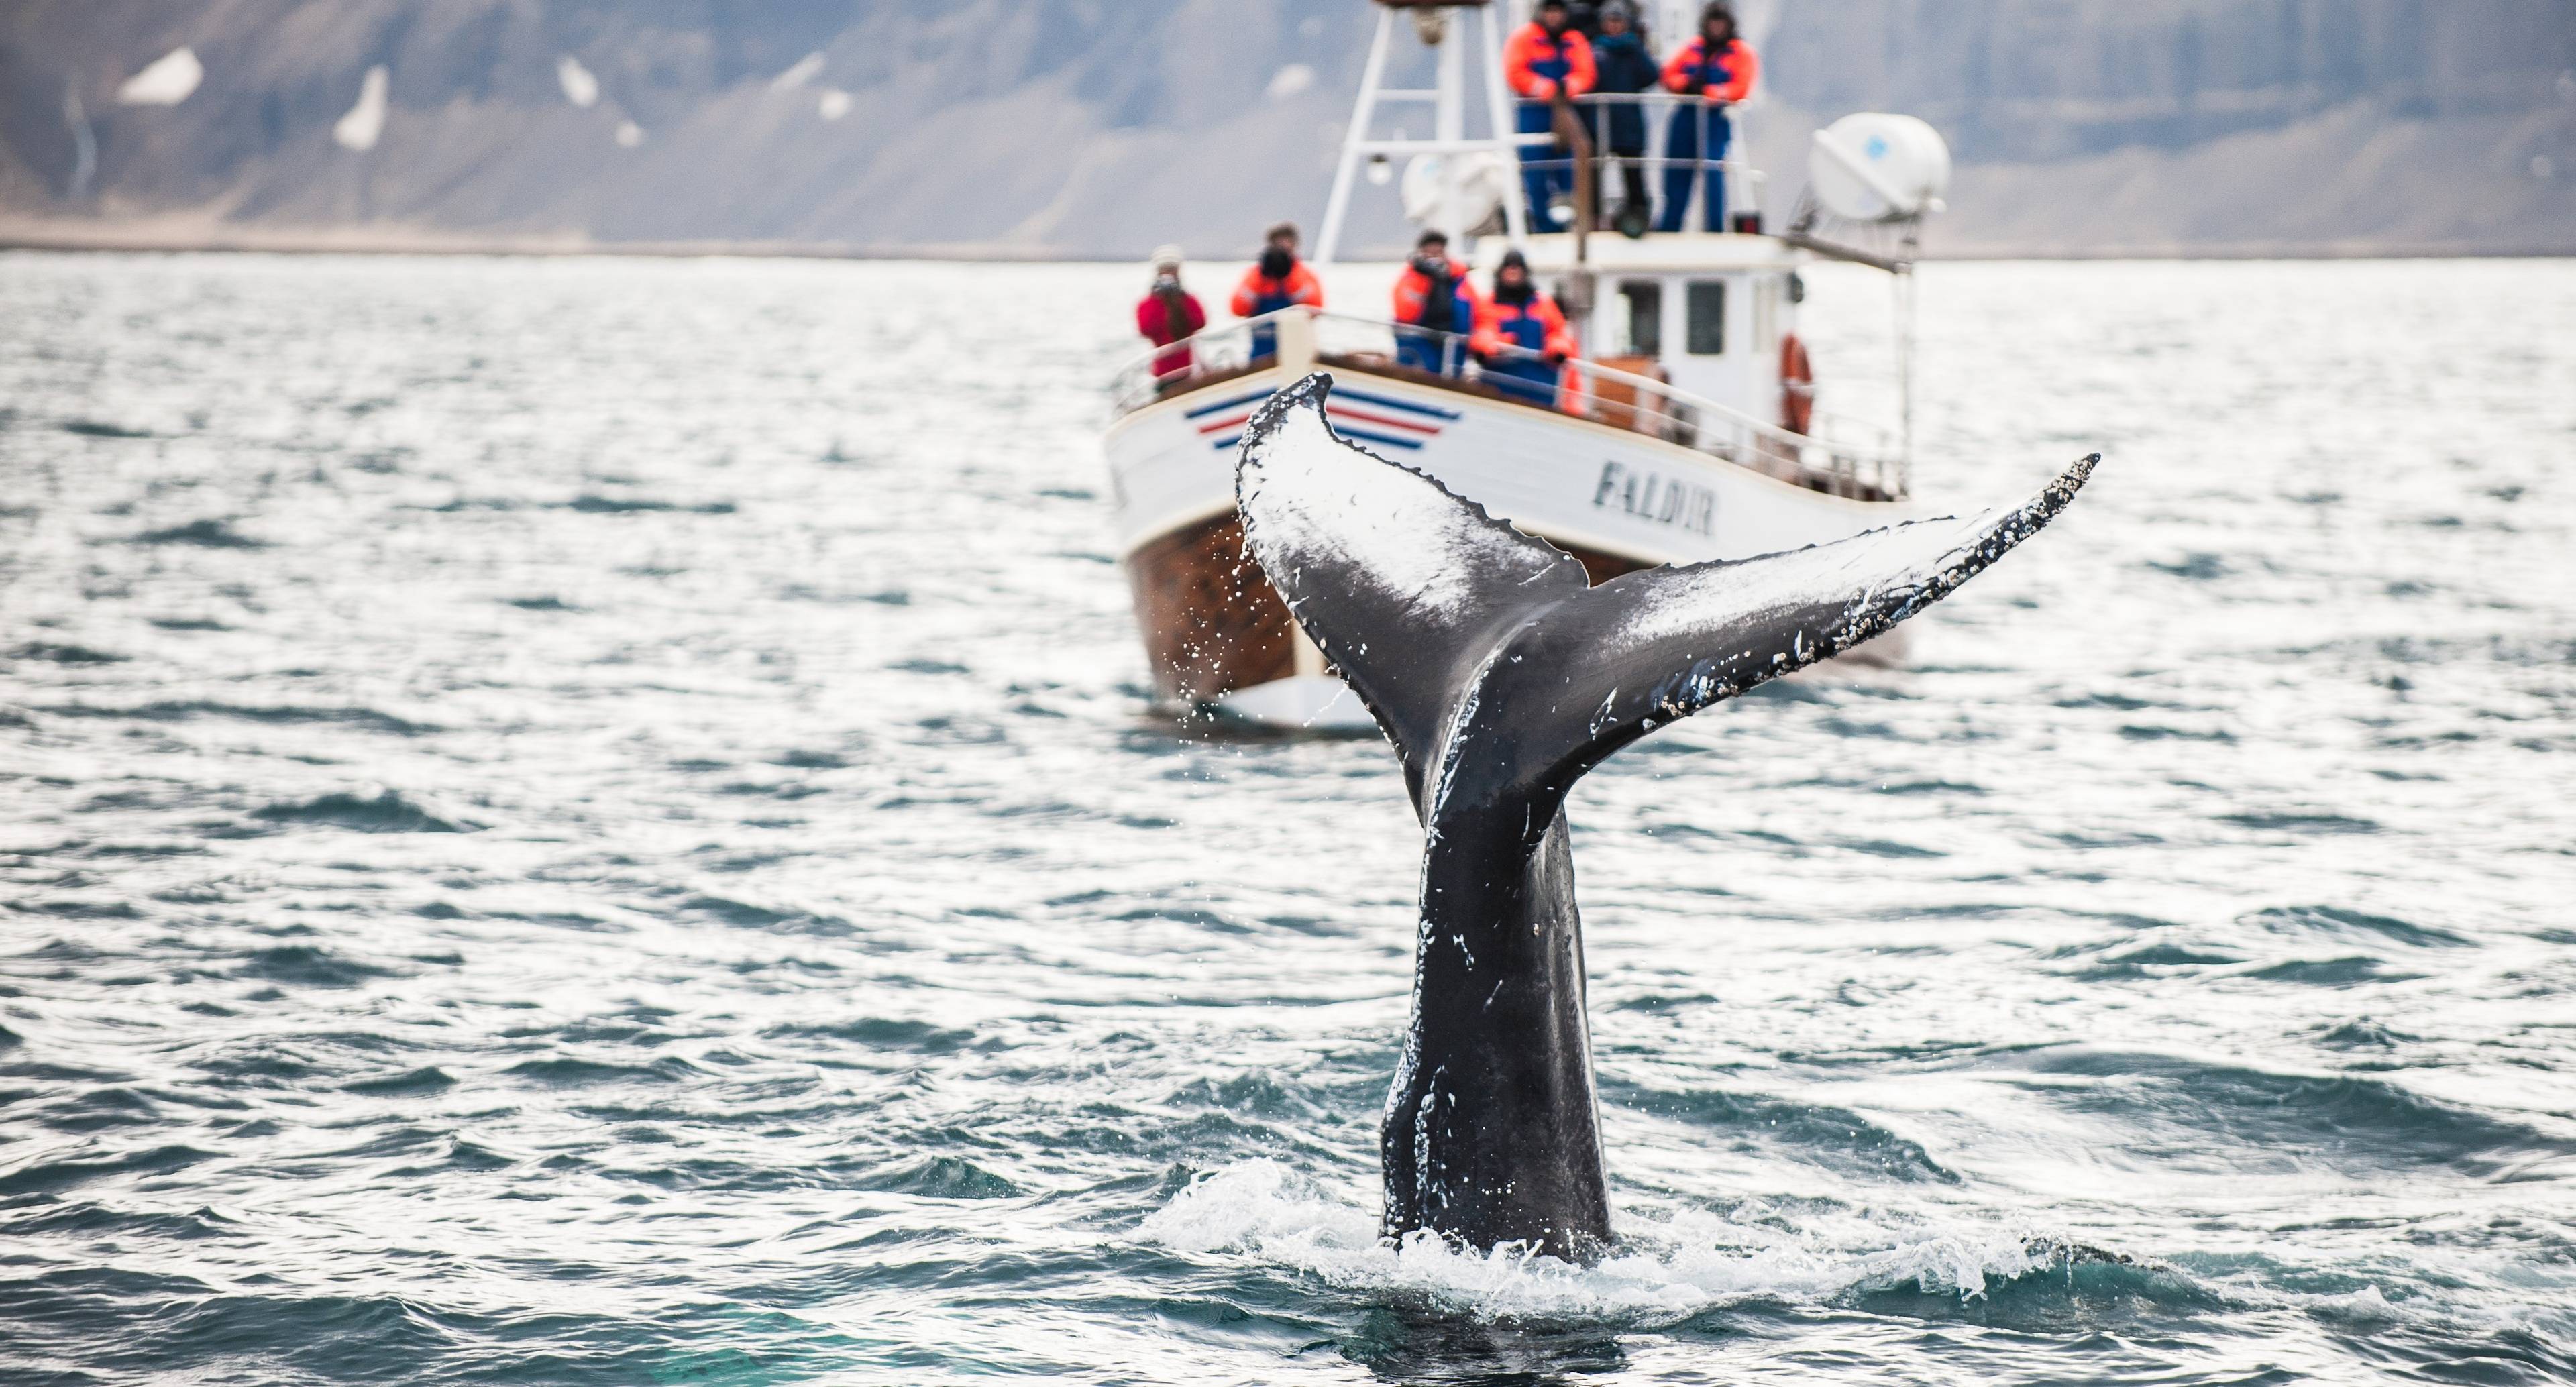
[1719, 68]
[1517, 315]
[1547, 58]
[1277, 280]
[1435, 295]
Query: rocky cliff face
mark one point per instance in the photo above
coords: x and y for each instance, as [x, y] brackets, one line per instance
[1100, 127]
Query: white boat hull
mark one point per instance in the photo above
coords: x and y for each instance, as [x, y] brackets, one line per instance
[1574, 481]
[1617, 499]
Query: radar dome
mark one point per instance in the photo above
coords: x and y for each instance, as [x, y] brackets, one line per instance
[1874, 167]
[1463, 192]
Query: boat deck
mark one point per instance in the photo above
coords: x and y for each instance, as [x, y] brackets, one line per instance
[1633, 479]
[1619, 394]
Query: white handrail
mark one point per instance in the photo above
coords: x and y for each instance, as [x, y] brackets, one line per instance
[1130, 393]
[1756, 443]
[1654, 107]
[1674, 414]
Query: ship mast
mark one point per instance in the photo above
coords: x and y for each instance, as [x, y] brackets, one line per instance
[1441, 25]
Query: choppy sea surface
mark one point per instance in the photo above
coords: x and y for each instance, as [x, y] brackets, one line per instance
[594, 821]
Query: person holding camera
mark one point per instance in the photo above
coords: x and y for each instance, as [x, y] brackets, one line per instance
[1168, 316]
[1435, 298]
[1277, 280]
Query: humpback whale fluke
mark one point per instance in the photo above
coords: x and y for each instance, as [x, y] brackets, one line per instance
[1502, 677]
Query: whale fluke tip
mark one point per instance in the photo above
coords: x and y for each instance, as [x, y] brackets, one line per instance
[1311, 388]
[2055, 496]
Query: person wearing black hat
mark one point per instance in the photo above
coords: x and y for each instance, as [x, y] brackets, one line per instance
[1521, 339]
[1719, 68]
[1625, 62]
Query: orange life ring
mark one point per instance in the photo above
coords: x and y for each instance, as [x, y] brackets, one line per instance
[1797, 385]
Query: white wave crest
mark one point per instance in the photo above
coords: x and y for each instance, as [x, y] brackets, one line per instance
[1664, 1271]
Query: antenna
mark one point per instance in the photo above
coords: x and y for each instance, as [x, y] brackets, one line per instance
[1440, 25]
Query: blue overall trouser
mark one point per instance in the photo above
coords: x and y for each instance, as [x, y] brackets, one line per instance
[1695, 126]
[1530, 380]
[1425, 351]
[1265, 338]
[1547, 172]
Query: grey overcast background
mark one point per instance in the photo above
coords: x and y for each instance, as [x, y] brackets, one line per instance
[1049, 128]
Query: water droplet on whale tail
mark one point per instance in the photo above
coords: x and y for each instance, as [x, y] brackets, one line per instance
[1448, 622]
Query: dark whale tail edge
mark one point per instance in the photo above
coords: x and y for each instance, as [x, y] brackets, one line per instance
[1463, 634]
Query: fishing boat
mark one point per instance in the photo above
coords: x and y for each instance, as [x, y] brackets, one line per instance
[1685, 429]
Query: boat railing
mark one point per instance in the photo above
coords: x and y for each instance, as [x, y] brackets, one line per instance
[1223, 349]
[1848, 459]
[1835, 462]
[1867, 435]
[1652, 155]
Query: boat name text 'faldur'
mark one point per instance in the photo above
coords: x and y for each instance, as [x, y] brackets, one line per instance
[1658, 499]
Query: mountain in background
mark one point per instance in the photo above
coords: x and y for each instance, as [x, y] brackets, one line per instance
[1049, 128]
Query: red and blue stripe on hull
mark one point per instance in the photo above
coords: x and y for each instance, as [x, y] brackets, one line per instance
[1362, 415]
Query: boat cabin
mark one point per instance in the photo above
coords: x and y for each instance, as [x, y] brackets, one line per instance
[1706, 313]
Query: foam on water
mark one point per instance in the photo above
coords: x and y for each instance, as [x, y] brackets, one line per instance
[1263, 1214]
[1661, 1274]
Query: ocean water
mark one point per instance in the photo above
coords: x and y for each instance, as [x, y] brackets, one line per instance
[597, 821]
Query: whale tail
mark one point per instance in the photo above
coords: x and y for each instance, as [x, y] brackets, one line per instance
[1502, 676]
[1499, 673]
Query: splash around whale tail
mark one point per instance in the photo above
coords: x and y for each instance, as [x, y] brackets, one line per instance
[1499, 673]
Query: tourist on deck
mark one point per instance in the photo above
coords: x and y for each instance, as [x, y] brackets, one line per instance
[1546, 59]
[1277, 280]
[1434, 296]
[1623, 63]
[1719, 68]
[1168, 315]
[1518, 316]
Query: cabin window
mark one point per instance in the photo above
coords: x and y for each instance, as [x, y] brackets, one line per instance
[1645, 299]
[1707, 317]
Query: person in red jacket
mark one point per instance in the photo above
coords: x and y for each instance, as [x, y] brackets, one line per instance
[1435, 295]
[1518, 316]
[1719, 68]
[1168, 315]
[1277, 280]
[1547, 58]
